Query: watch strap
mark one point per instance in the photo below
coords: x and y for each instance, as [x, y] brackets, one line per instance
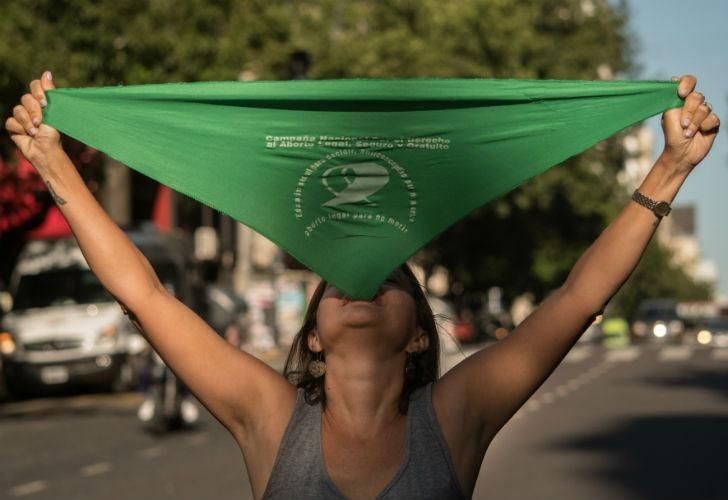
[659, 208]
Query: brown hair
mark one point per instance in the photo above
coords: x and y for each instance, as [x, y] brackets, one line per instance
[425, 365]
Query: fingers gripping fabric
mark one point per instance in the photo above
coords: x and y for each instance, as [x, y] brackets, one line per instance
[351, 177]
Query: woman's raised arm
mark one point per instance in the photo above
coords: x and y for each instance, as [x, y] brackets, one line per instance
[233, 385]
[494, 383]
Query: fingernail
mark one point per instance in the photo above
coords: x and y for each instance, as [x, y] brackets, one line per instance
[36, 121]
[688, 133]
[32, 131]
[44, 102]
[49, 75]
[685, 122]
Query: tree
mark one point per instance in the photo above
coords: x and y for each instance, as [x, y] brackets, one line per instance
[526, 241]
[657, 277]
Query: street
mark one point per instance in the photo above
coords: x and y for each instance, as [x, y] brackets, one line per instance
[639, 422]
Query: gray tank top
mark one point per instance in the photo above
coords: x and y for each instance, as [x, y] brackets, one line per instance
[426, 472]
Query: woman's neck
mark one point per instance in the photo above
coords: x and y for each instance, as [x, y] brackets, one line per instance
[362, 393]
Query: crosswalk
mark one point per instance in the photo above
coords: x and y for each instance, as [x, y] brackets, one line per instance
[661, 353]
[720, 354]
[595, 353]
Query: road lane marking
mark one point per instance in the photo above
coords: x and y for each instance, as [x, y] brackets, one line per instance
[533, 405]
[28, 488]
[153, 452]
[719, 354]
[675, 353]
[601, 367]
[198, 439]
[548, 398]
[578, 354]
[95, 469]
[622, 354]
[562, 391]
[573, 384]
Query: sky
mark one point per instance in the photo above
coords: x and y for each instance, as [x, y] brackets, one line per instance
[678, 37]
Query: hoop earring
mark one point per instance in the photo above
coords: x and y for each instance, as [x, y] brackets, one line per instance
[410, 369]
[317, 366]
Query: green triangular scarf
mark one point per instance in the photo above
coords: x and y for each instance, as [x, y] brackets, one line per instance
[351, 177]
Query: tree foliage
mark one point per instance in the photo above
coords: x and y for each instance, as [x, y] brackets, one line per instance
[657, 277]
[526, 241]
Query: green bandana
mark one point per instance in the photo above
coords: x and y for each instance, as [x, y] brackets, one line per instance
[351, 177]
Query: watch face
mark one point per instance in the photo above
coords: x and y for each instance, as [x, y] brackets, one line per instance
[662, 208]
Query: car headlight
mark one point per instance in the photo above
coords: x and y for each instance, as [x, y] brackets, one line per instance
[660, 330]
[639, 328]
[676, 326]
[704, 337]
[7, 344]
[108, 335]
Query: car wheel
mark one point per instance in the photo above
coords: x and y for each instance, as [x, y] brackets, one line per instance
[15, 389]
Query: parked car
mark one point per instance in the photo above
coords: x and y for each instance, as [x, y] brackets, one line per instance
[657, 320]
[64, 328]
[712, 331]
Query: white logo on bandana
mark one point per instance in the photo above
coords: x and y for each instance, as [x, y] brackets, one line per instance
[362, 180]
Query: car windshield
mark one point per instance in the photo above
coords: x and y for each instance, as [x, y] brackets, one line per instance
[721, 323]
[657, 313]
[59, 287]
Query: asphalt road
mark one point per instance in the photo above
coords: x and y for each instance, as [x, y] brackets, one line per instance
[647, 422]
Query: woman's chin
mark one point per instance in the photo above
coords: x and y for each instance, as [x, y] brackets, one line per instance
[361, 314]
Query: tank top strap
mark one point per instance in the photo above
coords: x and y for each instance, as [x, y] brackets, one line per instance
[430, 473]
[297, 471]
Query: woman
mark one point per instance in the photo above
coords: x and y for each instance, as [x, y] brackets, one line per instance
[377, 426]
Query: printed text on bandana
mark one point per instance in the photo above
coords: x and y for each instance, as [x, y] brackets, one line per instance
[333, 141]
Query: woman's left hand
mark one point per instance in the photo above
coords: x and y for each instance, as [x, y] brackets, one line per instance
[690, 130]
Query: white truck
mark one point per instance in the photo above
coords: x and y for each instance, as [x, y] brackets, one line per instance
[65, 328]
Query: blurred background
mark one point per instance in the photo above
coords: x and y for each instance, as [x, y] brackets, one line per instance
[87, 410]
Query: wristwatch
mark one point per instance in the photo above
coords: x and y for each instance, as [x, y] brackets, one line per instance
[659, 208]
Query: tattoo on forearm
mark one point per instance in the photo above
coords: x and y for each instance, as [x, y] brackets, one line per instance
[55, 196]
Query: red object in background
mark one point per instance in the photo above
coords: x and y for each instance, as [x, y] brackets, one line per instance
[162, 213]
[54, 226]
[464, 331]
[19, 188]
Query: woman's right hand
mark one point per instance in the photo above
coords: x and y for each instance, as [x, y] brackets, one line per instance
[38, 142]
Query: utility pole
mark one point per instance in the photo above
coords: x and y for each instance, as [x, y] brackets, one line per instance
[116, 191]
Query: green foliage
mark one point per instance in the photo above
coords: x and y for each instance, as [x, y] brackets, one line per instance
[657, 277]
[109, 42]
[469, 38]
[526, 241]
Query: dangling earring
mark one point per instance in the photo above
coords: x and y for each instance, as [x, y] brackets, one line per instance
[317, 367]
[410, 368]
